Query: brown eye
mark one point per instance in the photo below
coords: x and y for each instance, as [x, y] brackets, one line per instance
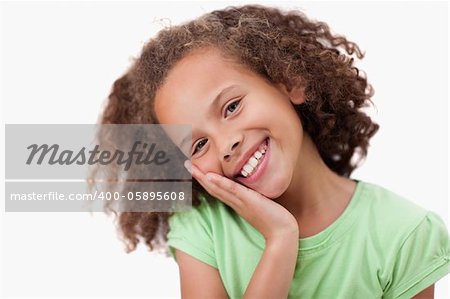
[200, 145]
[232, 107]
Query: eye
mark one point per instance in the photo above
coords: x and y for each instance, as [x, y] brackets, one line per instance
[199, 145]
[232, 107]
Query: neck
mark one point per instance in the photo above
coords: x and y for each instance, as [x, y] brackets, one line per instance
[316, 192]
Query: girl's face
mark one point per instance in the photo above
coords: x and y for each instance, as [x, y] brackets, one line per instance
[233, 112]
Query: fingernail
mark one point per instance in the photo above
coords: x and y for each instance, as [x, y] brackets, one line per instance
[188, 166]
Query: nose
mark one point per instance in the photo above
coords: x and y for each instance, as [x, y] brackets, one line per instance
[231, 146]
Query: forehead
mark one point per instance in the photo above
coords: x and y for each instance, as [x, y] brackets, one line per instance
[193, 83]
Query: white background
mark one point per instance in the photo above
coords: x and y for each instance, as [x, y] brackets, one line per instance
[58, 61]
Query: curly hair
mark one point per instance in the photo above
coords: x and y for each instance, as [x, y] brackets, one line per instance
[283, 47]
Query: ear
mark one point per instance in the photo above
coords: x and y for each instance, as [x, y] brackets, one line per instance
[296, 95]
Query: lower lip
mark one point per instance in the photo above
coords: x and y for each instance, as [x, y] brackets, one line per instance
[261, 168]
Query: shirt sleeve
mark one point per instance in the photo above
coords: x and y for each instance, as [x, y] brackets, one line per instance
[422, 260]
[191, 232]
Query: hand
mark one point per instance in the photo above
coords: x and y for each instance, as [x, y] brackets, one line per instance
[271, 219]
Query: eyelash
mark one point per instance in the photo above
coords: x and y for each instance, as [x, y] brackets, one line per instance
[226, 110]
[232, 103]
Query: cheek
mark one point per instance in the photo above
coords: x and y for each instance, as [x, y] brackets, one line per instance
[209, 162]
[270, 108]
[259, 115]
[280, 118]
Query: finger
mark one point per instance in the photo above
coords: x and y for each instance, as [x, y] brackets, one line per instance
[231, 190]
[228, 185]
[199, 175]
[195, 172]
[201, 178]
[188, 166]
[214, 189]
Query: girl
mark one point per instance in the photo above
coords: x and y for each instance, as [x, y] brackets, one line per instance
[274, 102]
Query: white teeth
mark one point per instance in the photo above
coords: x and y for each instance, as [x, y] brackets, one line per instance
[263, 147]
[253, 162]
[248, 168]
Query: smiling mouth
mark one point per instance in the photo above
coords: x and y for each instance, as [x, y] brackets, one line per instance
[254, 161]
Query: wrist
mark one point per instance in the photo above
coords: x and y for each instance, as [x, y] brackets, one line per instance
[288, 238]
[286, 233]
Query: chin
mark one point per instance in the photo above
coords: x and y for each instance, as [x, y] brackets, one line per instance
[275, 188]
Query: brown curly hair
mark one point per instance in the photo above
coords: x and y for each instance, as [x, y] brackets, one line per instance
[283, 47]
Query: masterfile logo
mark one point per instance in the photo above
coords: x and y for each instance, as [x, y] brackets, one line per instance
[89, 167]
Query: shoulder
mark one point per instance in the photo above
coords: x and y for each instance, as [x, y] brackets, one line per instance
[206, 213]
[383, 198]
[192, 218]
[413, 242]
[389, 212]
[396, 224]
[196, 229]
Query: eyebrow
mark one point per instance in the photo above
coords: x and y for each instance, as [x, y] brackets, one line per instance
[214, 103]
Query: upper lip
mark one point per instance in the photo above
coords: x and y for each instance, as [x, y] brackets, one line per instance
[244, 158]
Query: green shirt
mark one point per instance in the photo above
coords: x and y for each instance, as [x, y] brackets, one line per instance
[381, 246]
